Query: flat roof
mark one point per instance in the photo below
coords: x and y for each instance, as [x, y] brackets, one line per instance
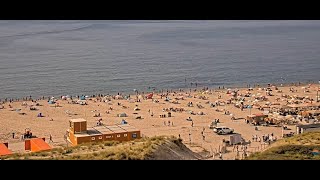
[128, 127]
[78, 120]
[116, 129]
[103, 130]
[92, 132]
[309, 126]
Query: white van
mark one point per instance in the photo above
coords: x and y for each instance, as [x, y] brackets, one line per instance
[223, 130]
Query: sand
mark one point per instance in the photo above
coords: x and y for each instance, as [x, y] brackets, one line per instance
[12, 121]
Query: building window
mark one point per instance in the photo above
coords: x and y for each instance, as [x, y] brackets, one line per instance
[93, 138]
[125, 135]
[118, 135]
[134, 135]
[108, 137]
[100, 137]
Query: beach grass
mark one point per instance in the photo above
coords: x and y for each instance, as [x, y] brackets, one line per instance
[110, 150]
[298, 147]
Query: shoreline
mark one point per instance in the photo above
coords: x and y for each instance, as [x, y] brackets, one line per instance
[157, 91]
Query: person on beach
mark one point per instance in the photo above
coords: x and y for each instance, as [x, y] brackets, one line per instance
[191, 123]
[50, 138]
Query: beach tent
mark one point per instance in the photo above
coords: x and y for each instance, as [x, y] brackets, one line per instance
[51, 102]
[122, 115]
[149, 96]
[82, 102]
[200, 113]
[82, 98]
[124, 121]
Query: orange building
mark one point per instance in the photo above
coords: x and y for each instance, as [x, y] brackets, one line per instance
[36, 145]
[4, 149]
[132, 131]
[79, 133]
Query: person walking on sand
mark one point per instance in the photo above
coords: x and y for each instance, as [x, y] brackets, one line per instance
[50, 138]
[191, 123]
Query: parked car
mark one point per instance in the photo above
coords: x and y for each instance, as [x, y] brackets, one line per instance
[223, 130]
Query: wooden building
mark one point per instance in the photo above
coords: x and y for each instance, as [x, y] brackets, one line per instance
[78, 132]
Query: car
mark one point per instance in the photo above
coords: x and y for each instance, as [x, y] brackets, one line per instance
[223, 130]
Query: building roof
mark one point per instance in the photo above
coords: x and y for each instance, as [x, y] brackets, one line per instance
[128, 127]
[78, 120]
[89, 132]
[93, 132]
[116, 129]
[308, 126]
[4, 150]
[103, 130]
[39, 144]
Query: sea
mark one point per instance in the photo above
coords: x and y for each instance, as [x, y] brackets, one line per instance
[84, 57]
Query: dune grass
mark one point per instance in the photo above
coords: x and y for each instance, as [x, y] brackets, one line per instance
[108, 150]
[298, 147]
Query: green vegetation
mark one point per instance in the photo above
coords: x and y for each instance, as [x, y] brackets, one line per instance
[298, 147]
[111, 150]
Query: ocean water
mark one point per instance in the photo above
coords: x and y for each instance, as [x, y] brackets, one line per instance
[87, 57]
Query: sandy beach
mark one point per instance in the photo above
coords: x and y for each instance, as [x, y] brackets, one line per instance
[15, 117]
